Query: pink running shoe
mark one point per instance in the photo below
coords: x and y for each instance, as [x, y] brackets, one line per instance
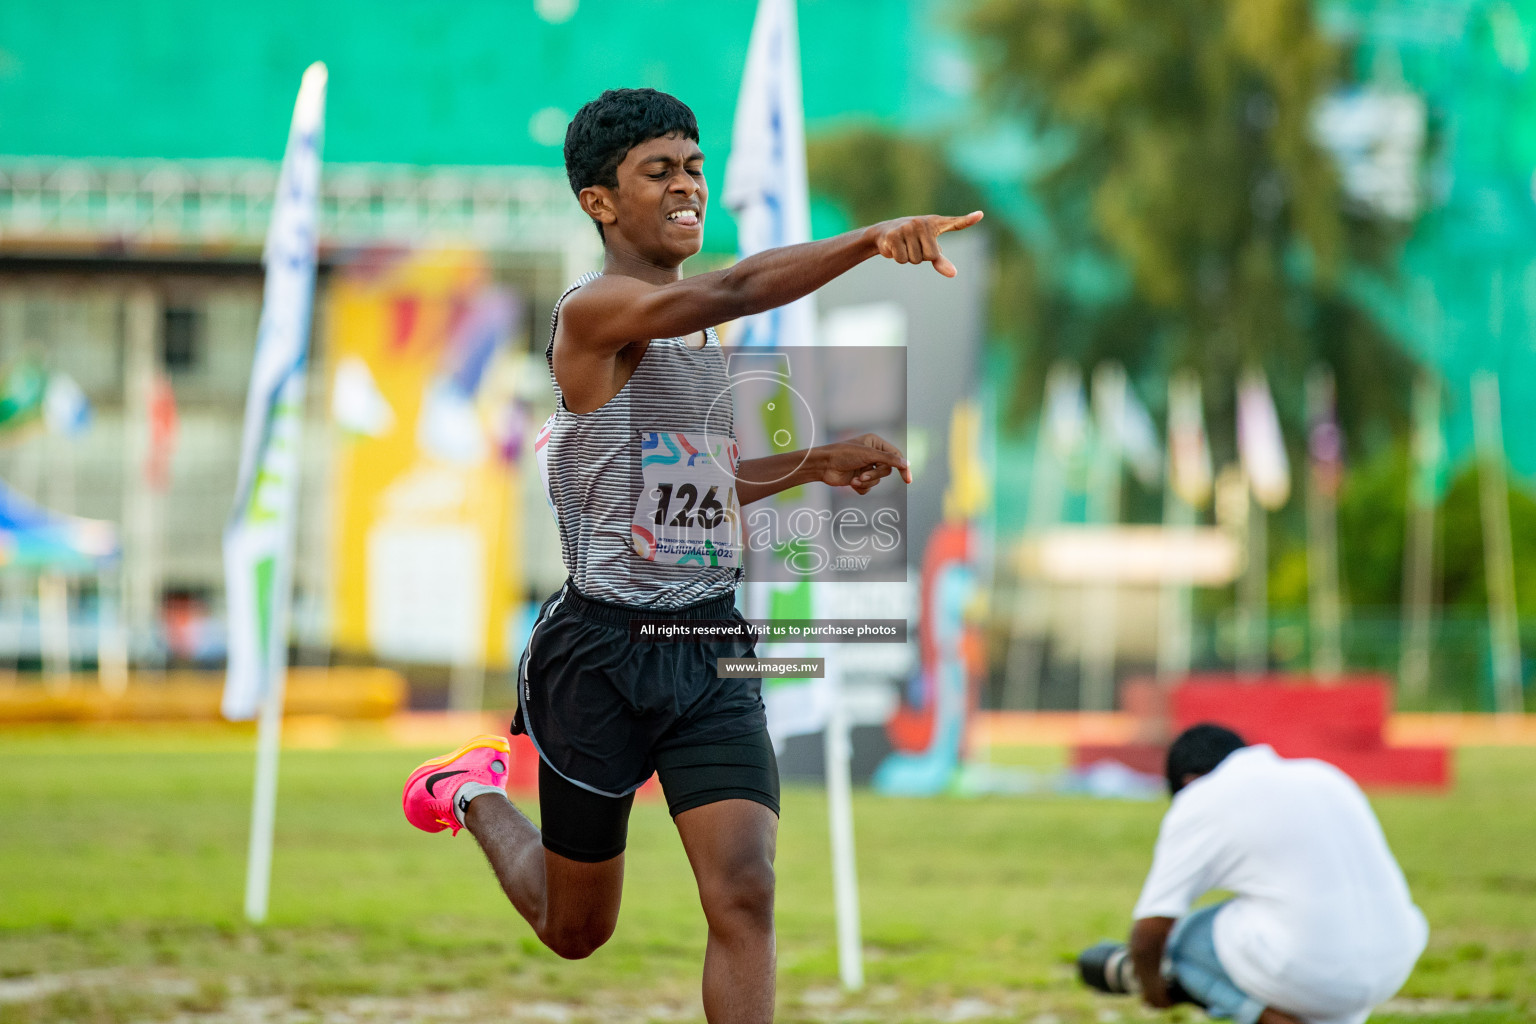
[429, 792]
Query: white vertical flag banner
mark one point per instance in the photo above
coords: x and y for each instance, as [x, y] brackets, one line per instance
[259, 539]
[765, 183]
[767, 193]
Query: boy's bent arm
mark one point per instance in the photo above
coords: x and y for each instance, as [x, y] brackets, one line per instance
[615, 310]
[861, 463]
[758, 478]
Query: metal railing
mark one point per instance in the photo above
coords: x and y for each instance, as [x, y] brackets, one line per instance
[226, 204]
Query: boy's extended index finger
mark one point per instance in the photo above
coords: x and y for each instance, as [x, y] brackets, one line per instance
[892, 457]
[958, 223]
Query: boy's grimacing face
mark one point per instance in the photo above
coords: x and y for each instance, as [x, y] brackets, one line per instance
[660, 202]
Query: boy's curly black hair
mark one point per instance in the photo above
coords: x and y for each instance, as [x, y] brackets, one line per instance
[607, 128]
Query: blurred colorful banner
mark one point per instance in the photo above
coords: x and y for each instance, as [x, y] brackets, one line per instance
[426, 556]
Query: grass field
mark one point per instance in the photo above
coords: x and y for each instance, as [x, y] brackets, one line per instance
[122, 858]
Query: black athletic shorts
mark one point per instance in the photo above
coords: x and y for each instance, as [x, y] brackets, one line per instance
[605, 712]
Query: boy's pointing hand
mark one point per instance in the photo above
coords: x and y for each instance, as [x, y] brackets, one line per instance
[861, 462]
[916, 239]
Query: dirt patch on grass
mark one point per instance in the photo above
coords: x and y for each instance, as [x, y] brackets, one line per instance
[164, 996]
[167, 996]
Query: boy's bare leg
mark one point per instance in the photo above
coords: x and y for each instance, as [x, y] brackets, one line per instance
[572, 906]
[730, 845]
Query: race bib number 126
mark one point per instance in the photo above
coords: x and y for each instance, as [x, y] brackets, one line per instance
[688, 512]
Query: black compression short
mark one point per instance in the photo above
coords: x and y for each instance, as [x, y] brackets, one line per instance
[604, 712]
[589, 827]
[600, 707]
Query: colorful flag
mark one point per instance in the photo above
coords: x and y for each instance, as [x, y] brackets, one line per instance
[1260, 443]
[1189, 450]
[258, 541]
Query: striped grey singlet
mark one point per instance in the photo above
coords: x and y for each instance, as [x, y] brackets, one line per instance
[592, 477]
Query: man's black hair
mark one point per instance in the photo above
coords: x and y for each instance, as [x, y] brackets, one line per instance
[1198, 750]
[607, 128]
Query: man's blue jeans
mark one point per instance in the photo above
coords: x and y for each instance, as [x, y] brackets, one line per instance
[1191, 958]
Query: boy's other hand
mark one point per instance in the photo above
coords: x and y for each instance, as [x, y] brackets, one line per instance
[916, 239]
[861, 462]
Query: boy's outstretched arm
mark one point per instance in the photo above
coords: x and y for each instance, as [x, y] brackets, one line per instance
[615, 310]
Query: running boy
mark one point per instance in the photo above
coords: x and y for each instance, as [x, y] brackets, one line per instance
[637, 371]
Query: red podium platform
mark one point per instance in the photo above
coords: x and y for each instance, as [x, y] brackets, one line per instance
[1341, 723]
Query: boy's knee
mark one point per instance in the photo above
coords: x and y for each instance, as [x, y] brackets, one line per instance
[742, 896]
[577, 937]
[576, 943]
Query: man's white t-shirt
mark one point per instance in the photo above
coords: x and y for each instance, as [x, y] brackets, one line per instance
[1321, 924]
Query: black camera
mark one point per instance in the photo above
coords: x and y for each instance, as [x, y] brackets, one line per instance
[1107, 967]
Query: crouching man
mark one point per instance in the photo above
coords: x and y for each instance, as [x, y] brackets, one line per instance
[1320, 927]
